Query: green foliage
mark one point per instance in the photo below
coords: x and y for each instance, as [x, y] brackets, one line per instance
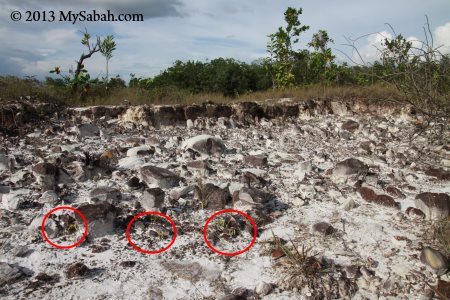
[421, 73]
[79, 80]
[107, 46]
[281, 61]
[321, 62]
[226, 76]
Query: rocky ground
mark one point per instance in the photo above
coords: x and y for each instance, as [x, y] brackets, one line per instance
[345, 201]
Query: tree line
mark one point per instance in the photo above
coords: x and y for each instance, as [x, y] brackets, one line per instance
[421, 73]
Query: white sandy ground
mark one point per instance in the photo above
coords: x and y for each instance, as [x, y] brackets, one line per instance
[364, 233]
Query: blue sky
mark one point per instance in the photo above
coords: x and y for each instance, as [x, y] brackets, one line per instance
[200, 30]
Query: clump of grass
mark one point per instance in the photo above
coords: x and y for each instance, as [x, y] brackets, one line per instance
[304, 271]
[13, 88]
[300, 264]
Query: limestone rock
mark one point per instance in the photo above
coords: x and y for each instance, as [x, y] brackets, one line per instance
[87, 130]
[436, 206]
[323, 228]
[104, 193]
[370, 196]
[252, 196]
[350, 166]
[152, 199]
[9, 274]
[77, 270]
[100, 217]
[435, 260]
[159, 177]
[185, 270]
[259, 160]
[212, 197]
[205, 144]
[141, 151]
[264, 288]
[350, 125]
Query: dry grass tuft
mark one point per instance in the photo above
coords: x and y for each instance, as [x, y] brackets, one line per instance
[306, 273]
[13, 88]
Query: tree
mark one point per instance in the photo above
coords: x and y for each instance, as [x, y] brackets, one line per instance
[321, 64]
[107, 47]
[280, 47]
[420, 71]
[81, 77]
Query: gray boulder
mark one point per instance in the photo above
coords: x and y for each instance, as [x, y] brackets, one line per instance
[105, 193]
[9, 274]
[87, 130]
[159, 177]
[436, 206]
[152, 199]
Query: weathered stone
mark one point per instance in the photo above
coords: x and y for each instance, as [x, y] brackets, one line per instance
[14, 199]
[199, 166]
[128, 263]
[264, 288]
[193, 112]
[21, 251]
[435, 260]
[350, 125]
[87, 130]
[137, 115]
[49, 197]
[77, 270]
[395, 192]
[439, 174]
[259, 160]
[45, 174]
[141, 151]
[348, 204]
[205, 144]
[370, 196]
[152, 199]
[130, 163]
[252, 196]
[168, 116]
[252, 180]
[100, 217]
[323, 228]
[177, 193]
[10, 274]
[351, 271]
[350, 166]
[415, 212]
[159, 177]
[134, 183]
[436, 206]
[212, 197]
[5, 162]
[104, 193]
[186, 270]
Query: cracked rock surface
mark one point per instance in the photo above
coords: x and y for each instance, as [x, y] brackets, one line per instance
[351, 188]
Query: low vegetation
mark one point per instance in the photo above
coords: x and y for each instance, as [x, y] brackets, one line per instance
[415, 73]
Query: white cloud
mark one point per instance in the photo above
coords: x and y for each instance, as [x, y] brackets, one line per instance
[442, 37]
[371, 51]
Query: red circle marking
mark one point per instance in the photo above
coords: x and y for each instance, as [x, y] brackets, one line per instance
[69, 246]
[149, 251]
[230, 211]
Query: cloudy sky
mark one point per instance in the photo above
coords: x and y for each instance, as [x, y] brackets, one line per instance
[200, 30]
